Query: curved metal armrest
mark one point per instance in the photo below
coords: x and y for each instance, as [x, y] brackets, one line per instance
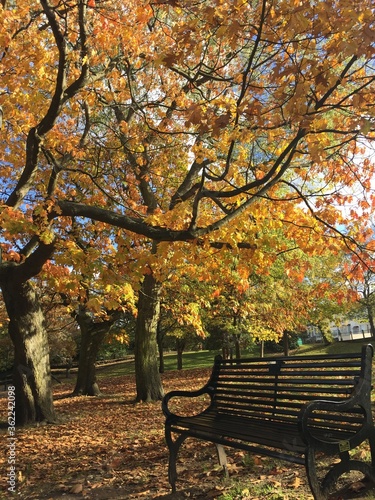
[307, 411]
[186, 394]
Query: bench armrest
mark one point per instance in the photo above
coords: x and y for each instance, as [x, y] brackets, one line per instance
[306, 412]
[186, 394]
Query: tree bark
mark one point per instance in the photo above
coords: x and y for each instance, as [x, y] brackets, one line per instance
[286, 343]
[236, 338]
[92, 336]
[31, 375]
[262, 348]
[225, 347]
[147, 376]
[159, 339]
[371, 320]
[180, 347]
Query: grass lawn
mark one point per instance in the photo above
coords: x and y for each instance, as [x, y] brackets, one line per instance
[205, 359]
[196, 359]
[349, 346]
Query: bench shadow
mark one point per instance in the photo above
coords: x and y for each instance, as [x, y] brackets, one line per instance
[360, 490]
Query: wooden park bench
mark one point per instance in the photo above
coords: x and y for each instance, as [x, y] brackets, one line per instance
[297, 408]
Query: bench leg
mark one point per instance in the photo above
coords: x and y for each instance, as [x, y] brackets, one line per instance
[222, 458]
[312, 476]
[173, 447]
[372, 449]
[322, 488]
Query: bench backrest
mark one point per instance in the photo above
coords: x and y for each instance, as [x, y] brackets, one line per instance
[278, 387]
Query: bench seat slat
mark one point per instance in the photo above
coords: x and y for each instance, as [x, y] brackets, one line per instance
[352, 419]
[236, 427]
[258, 430]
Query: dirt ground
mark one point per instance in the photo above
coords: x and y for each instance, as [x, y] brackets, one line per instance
[110, 448]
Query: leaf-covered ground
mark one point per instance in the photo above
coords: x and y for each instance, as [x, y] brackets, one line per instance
[111, 448]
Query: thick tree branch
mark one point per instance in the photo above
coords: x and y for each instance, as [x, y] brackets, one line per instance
[30, 267]
[133, 224]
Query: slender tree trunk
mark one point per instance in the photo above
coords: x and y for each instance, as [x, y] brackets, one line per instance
[147, 376]
[180, 347]
[236, 338]
[225, 348]
[286, 343]
[92, 336]
[237, 345]
[371, 320]
[262, 349]
[32, 375]
[159, 338]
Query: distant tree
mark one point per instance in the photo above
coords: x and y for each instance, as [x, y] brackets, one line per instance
[365, 287]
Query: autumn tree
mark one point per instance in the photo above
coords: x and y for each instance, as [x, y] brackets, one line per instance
[96, 292]
[181, 125]
[361, 280]
[367, 301]
[288, 284]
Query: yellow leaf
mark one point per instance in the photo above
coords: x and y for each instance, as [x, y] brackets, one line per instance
[296, 483]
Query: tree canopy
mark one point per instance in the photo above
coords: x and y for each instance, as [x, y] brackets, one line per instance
[171, 120]
[177, 121]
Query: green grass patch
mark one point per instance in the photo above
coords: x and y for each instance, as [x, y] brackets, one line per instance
[349, 346]
[190, 360]
[242, 489]
[116, 369]
[205, 359]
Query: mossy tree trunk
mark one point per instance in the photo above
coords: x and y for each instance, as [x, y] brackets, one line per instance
[92, 335]
[31, 374]
[147, 376]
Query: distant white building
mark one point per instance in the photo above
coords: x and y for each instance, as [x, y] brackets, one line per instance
[344, 330]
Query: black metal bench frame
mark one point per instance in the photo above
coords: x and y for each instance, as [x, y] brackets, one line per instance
[291, 408]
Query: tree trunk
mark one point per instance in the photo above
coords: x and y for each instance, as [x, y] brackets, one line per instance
[371, 320]
[147, 376]
[180, 347]
[159, 339]
[262, 348]
[236, 338]
[225, 348]
[32, 375]
[286, 343]
[92, 336]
